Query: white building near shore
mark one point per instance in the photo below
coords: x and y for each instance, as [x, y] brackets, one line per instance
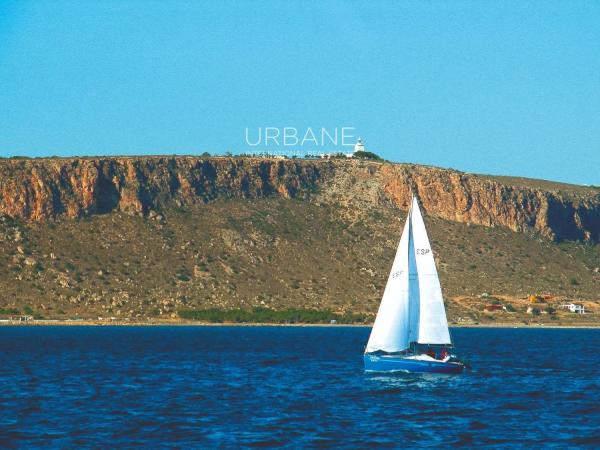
[574, 308]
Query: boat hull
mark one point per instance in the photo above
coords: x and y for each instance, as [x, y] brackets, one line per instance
[395, 363]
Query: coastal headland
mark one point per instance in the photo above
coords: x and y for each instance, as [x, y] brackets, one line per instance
[156, 239]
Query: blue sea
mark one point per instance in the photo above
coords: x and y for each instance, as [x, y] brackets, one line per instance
[231, 387]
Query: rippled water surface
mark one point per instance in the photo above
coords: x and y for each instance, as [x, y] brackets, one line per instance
[290, 386]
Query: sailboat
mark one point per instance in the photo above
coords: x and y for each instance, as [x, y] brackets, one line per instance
[410, 333]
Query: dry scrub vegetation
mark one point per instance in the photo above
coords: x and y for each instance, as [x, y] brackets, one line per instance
[278, 254]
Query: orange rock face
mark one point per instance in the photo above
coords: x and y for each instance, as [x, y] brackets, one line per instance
[460, 197]
[46, 189]
[43, 189]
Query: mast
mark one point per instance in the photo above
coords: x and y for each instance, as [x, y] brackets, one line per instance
[414, 291]
[412, 344]
[410, 241]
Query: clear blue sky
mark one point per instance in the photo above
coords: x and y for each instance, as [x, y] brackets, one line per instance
[507, 88]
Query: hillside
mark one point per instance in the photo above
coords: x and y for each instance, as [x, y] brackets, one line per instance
[146, 237]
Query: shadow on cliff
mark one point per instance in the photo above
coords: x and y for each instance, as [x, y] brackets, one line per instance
[107, 196]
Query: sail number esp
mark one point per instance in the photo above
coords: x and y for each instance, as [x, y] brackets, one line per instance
[422, 251]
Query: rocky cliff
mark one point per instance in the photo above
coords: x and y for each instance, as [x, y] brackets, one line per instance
[48, 189]
[560, 212]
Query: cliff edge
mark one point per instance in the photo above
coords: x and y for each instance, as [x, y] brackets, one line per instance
[40, 190]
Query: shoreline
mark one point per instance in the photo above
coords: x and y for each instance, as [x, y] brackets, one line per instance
[96, 323]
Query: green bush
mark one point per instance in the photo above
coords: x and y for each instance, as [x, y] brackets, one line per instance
[367, 155]
[183, 277]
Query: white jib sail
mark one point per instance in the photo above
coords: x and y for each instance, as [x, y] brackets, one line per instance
[433, 326]
[412, 307]
[390, 331]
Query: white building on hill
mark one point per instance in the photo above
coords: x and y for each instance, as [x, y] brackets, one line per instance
[574, 308]
[358, 147]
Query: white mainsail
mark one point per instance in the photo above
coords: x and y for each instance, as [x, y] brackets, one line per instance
[412, 307]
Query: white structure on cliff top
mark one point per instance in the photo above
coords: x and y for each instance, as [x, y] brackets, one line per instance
[358, 147]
